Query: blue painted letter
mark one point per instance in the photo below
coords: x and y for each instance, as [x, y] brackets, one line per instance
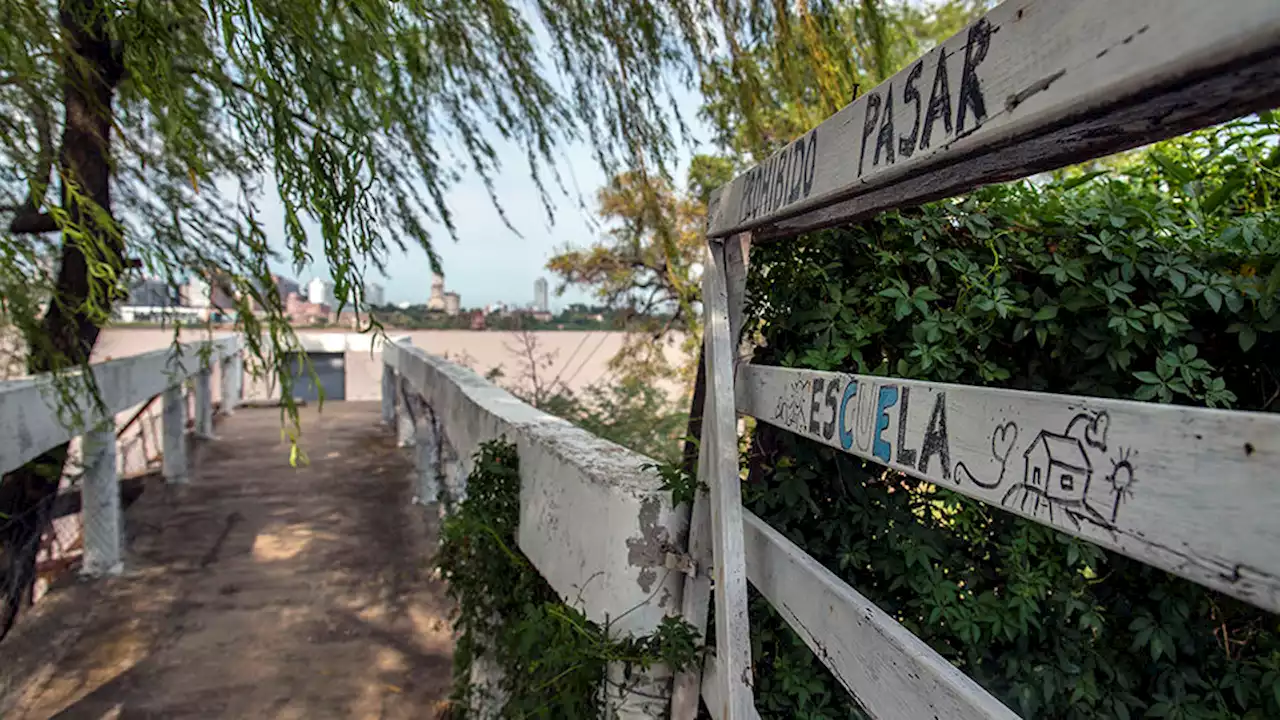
[846, 436]
[888, 396]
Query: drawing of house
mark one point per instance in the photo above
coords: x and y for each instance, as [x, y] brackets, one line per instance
[1058, 466]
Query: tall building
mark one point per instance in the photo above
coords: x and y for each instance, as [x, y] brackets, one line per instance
[320, 292]
[436, 301]
[452, 303]
[286, 286]
[373, 294]
[196, 293]
[152, 292]
[540, 295]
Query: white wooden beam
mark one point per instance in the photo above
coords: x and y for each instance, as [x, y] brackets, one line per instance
[712, 692]
[893, 674]
[720, 432]
[1032, 86]
[1190, 490]
[696, 600]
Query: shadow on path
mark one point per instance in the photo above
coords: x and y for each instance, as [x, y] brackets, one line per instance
[258, 591]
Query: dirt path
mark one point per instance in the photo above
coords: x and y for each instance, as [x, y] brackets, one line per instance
[258, 591]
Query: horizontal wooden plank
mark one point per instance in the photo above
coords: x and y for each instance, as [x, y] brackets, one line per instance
[1032, 86]
[31, 416]
[1190, 490]
[892, 673]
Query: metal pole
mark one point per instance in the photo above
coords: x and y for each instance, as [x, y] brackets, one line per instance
[100, 503]
[175, 436]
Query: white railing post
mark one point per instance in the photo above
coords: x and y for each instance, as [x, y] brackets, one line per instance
[388, 390]
[404, 416]
[232, 369]
[174, 419]
[428, 460]
[204, 403]
[100, 503]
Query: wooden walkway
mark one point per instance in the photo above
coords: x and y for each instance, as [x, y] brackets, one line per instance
[258, 591]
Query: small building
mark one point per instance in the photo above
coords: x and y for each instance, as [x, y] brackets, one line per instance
[1058, 466]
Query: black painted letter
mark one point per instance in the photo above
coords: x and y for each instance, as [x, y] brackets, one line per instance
[939, 101]
[833, 400]
[975, 50]
[905, 456]
[907, 143]
[810, 157]
[814, 406]
[886, 137]
[869, 125]
[795, 171]
[936, 441]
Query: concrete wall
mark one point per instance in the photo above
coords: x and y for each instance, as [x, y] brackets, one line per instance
[575, 358]
[595, 524]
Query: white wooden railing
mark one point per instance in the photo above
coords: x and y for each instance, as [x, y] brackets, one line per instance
[35, 417]
[1032, 86]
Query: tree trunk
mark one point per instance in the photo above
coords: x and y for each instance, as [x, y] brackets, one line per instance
[68, 331]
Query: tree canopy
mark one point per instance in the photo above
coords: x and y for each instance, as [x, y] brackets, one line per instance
[781, 71]
[144, 135]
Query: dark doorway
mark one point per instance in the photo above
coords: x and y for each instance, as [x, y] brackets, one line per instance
[330, 370]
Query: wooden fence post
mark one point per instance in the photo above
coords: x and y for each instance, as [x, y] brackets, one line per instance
[733, 640]
[696, 598]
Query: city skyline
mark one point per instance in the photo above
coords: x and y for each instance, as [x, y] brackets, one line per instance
[495, 253]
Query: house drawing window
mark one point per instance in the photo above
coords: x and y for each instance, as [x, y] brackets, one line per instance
[1063, 457]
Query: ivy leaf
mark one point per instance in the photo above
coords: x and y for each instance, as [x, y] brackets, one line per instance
[1214, 296]
[1248, 336]
[1048, 312]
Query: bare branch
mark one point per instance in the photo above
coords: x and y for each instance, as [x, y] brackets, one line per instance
[31, 221]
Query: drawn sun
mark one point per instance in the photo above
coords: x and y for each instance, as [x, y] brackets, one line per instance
[1121, 476]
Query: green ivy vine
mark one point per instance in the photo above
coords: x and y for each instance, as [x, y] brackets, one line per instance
[553, 660]
[1156, 277]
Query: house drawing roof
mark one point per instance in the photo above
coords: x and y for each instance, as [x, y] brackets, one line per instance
[1062, 450]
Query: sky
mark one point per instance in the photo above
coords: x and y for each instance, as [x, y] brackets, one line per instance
[489, 263]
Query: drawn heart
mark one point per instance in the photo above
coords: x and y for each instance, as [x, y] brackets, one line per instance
[1002, 440]
[1095, 433]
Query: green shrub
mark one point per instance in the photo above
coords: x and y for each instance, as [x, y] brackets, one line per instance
[1156, 280]
[553, 660]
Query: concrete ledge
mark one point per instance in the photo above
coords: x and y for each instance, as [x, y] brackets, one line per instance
[596, 526]
[34, 418]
